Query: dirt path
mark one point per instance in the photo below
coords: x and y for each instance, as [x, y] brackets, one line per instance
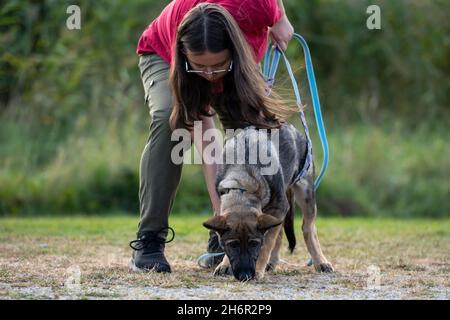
[87, 258]
[71, 270]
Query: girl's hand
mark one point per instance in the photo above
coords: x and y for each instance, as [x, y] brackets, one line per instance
[281, 33]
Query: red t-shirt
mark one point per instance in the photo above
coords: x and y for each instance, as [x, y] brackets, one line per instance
[253, 17]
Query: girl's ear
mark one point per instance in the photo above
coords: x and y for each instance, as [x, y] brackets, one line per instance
[216, 223]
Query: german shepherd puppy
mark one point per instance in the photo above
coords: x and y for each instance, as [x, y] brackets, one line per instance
[255, 204]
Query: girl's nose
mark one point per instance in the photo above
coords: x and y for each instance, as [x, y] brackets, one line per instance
[209, 76]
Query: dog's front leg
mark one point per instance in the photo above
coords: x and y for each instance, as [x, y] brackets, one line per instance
[275, 255]
[224, 268]
[270, 238]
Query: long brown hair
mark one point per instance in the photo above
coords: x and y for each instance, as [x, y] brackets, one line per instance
[209, 27]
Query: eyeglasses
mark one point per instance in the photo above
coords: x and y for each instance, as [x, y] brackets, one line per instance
[214, 72]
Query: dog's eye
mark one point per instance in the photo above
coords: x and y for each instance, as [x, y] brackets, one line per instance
[234, 244]
[254, 243]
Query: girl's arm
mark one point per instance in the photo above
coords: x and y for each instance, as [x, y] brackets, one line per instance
[209, 170]
[281, 32]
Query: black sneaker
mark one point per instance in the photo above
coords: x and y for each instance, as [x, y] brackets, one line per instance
[148, 254]
[214, 255]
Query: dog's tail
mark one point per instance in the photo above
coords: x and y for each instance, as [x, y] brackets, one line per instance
[289, 221]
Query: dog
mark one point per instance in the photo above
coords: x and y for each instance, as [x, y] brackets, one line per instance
[256, 206]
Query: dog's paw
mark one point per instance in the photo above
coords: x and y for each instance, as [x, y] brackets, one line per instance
[259, 275]
[271, 266]
[223, 269]
[324, 267]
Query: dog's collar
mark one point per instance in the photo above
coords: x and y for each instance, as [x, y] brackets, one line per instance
[241, 190]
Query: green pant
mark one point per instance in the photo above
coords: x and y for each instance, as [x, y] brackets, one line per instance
[159, 177]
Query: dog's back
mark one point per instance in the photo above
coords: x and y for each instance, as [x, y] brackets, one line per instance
[286, 147]
[292, 152]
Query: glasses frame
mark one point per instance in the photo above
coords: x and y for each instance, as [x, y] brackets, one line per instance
[214, 72]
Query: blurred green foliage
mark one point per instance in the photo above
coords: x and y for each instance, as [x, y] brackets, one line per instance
[73, 121]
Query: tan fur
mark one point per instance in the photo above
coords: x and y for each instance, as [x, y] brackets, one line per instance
[266, 251]
[309, 210]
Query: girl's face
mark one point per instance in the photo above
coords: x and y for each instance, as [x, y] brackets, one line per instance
[209, 65]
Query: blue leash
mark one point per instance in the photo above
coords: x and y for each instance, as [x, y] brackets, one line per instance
[270, 66]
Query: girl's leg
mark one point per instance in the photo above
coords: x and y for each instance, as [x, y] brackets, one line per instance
[159, 177]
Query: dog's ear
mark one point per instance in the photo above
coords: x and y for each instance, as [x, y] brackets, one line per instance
[216, 223]
[266, 221]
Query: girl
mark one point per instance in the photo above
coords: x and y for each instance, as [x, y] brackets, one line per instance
[211, 50]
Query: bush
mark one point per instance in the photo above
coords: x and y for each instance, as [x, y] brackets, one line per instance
[73, 122]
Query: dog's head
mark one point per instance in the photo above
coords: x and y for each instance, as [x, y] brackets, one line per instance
[241, 232]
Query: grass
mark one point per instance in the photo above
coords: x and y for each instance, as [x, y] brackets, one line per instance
[39, 255]
[375, 171]
[73, 124]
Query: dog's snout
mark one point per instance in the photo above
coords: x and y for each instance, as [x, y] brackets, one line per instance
[245, 275]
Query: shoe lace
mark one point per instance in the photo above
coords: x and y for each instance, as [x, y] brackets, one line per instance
[151, 237]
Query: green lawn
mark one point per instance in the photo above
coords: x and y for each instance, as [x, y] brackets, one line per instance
[36, 255]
